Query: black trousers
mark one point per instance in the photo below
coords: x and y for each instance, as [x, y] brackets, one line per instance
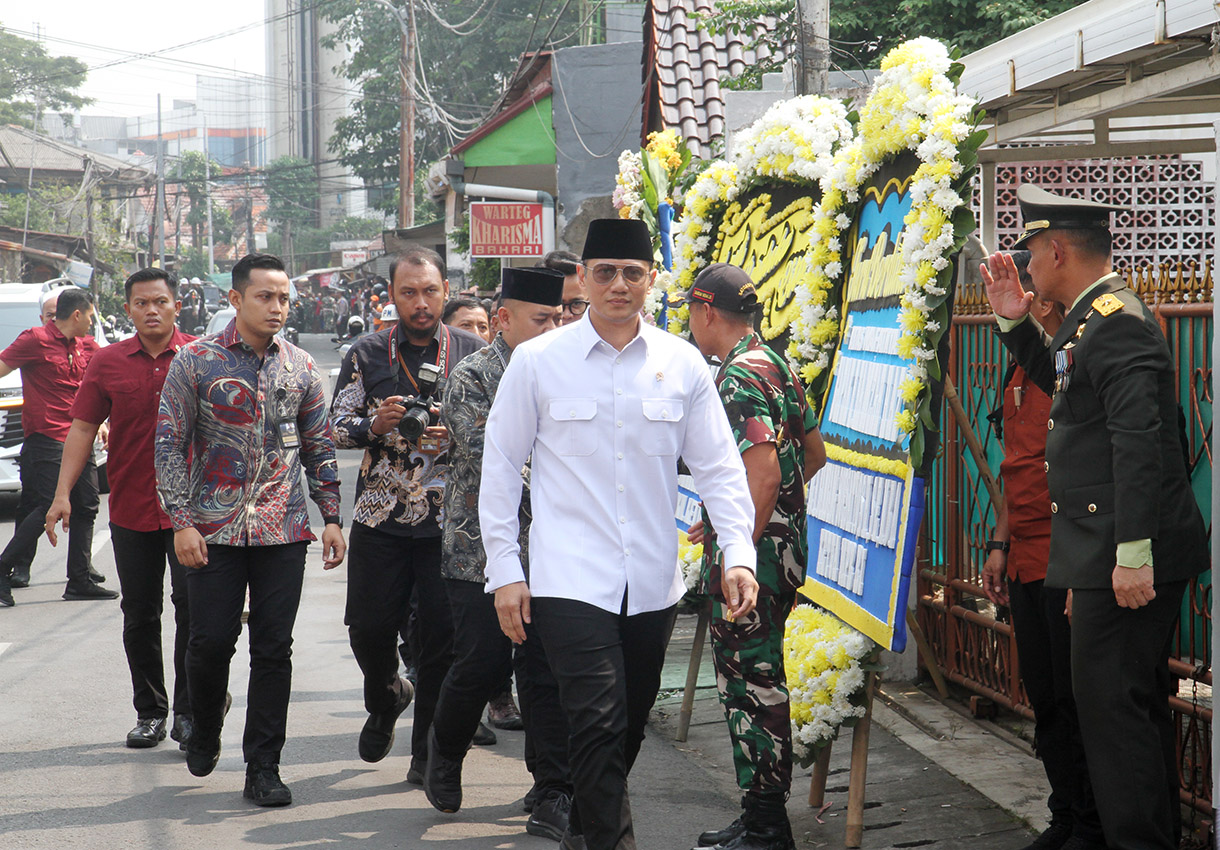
[1120, 675]
[483, 657]
[608, 667]
[382, 570]
[217, 593]
[139, 558]
[1044, 643]
[40, 460]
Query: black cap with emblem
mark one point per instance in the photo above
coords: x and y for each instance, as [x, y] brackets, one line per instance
[1042, 210]
[726, 287]
[537, 286]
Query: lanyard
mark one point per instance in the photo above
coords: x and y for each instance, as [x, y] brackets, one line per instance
[442, 356]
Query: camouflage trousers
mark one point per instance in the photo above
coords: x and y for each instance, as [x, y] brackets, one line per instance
[749, 659]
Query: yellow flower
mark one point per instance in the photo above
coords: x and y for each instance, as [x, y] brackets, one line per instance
[909, 390]
[905, 420]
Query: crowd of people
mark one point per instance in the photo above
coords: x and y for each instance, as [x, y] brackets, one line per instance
[513, 518]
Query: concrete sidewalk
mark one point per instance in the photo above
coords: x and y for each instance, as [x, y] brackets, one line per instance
[935, 778]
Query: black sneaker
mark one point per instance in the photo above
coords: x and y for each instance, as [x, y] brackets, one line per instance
[96, 577]
[1052, 838]
[6, 593]
[377, 736]
[550, 816]
[530, 799]
[88, 590]
[148, 732]
[264, 787]
[415, 773]
[442, 779]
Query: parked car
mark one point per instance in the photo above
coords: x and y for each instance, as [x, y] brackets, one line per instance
[217, 323]
[19, 310]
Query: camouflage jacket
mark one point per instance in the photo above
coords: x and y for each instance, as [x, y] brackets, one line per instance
[468, 396]
[766, 403]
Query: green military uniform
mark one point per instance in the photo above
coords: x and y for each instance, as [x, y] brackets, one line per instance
[765, 403]
[1118, 483]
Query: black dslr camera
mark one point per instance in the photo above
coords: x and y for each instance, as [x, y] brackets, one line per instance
[419, 414]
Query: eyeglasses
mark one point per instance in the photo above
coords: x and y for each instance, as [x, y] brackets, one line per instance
[605, 273]
[576, 306]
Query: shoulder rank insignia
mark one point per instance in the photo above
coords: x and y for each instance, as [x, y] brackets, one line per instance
[1107, 304]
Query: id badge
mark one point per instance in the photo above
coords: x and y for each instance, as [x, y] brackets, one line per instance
[289, 438]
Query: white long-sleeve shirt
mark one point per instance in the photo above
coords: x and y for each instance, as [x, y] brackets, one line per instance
[605, 429]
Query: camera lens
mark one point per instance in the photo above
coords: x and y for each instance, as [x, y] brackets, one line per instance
[413, 422]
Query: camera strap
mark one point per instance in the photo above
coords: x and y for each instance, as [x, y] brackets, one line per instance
[442, 356]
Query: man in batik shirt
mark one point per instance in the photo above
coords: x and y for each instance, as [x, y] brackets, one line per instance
[531, 306]
[781, 448]
[241, 414]
[396, 530]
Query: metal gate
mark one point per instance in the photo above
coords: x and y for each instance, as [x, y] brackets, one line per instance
[973, 643]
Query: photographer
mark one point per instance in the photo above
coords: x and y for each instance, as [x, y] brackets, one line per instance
[387, 402]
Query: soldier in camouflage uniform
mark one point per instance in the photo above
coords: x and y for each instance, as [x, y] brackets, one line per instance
[482, 652]
[781, 447]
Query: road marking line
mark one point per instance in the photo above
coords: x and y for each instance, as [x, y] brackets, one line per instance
[100, 538]
[4, 646]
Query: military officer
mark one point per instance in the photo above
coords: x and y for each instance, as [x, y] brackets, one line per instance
[1126, 532]
[780, 444]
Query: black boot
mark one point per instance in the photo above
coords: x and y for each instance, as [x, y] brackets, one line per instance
[766, 824]
[722, 836]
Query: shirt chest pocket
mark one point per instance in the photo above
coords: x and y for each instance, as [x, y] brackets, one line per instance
[663, 426]
[574, 421]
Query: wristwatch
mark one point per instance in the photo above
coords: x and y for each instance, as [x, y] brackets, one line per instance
[998, 546]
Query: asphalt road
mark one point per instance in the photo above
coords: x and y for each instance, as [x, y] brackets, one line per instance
[68, 781]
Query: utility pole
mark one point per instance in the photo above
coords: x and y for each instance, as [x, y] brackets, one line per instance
[406, 131]
[207, 190]
[815, 46]
[249, 213]
[159, 213]
[89, 248]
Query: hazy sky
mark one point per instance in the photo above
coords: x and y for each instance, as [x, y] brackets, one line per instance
[104, 32]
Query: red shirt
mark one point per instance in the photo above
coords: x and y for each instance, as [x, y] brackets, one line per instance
[1024, 474]
[51, 370]
[124, 383]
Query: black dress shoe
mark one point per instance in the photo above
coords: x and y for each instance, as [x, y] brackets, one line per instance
[148, 732]
[6, 593]
[264, 787]
[1052, 838]
[184, 726]
[503, 713]
[96, 577]
[377, 736]
[550, 817]
[88, 590]
[442, 779]
[483, 737]
[202, 753]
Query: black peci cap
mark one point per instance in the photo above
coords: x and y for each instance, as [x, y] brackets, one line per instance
[537, 286]
[726, 287]
[1042, 210]
[618, 239]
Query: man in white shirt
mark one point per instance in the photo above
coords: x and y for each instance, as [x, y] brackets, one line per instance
[606, 406]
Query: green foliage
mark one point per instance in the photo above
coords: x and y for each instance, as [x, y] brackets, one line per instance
[863, 31]
[292, 191]
[484, 271]
[191, 171]
[466, 74]
[55, 207]
[31, 80]
[355, 227]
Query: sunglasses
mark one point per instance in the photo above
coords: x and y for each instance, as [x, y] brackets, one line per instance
[604, 274]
